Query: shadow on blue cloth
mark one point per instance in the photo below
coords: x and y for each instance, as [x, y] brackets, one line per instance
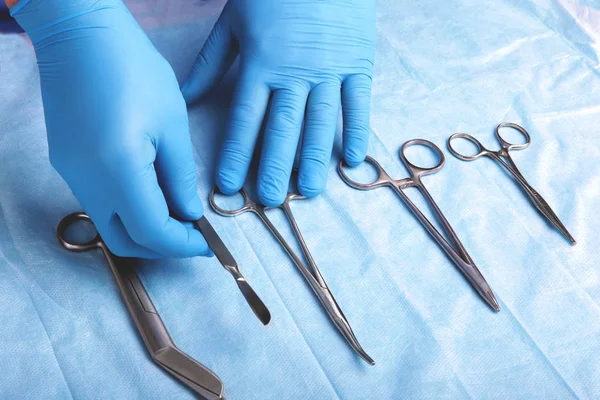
[7, 24]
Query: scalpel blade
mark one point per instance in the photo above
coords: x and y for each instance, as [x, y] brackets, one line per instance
[229, 263]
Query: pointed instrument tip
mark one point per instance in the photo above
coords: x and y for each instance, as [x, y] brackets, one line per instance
[369, 359]
[358, 348]
[363, 354]
[491, 300]
[567, 235]
[561, 228]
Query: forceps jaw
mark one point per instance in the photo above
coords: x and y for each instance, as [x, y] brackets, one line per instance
[458, 254]
[341, 322]
[308, 270]
[544, 209]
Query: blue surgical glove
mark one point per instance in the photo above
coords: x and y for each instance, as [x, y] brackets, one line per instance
[117, 125]
[297, 59]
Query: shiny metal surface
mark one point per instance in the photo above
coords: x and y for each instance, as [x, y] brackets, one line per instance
[455, 250]
[310, 272]
[228, 262]
[163, 351]
[503, 157]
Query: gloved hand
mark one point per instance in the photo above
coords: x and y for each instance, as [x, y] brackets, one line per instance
[117, 125]
[295, 55]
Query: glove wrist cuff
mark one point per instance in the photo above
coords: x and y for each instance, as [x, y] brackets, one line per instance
[40, 18]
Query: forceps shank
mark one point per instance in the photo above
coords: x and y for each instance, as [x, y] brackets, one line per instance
[511, 167]
[315, 280]
[431, 228]
[458, 255]
[536, 199]
[292, 221]
[260, 211]
[463, 261]
[503, 157]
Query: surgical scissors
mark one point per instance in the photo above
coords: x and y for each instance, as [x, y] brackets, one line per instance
[457, 254]
[503, 157]
[311, 273]
[149, 324]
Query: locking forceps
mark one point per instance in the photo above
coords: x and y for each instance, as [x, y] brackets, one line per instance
[149, 324]
[311, 273]
[457, 253]
[503, 157]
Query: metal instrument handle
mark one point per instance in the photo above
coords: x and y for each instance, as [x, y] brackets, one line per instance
[383, 179]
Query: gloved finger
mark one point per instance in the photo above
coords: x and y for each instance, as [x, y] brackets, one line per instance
[356, 104]
[117, 239]
[145, 214]
[110, 227]
[176, 170]
[322, 110]
[213, 61]
[280, 142]
[248, 108]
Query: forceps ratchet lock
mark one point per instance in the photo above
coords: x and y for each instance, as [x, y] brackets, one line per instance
[454, 249]
[162, 350]
[503, 157]
[310, 272]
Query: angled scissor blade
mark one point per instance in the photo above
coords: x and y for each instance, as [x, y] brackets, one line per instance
[228, 262]
[154, 332]
[190, 372]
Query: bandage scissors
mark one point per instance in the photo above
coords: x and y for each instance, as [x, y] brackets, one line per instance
[457, 253]
[149, 324]
[503, 157]
[311, 273]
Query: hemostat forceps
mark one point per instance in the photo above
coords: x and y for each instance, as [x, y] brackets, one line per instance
[311, 273]
[153, 331]
[455, 250]
[503, 157]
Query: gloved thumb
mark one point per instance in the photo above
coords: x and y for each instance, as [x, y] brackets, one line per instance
[176, 172]
[213, 61]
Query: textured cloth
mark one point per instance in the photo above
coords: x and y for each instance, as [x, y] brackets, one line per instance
[441, 67]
